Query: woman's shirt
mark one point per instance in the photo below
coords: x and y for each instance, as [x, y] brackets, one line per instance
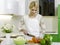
[32, 25]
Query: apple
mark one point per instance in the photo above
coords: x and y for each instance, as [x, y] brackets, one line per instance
[42, 42]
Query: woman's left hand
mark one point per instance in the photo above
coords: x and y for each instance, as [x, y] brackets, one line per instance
[43, 32]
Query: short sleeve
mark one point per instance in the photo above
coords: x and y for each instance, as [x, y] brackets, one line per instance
[42, 24]
[22, 24]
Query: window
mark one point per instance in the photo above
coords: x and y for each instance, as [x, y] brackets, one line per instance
[47, 7]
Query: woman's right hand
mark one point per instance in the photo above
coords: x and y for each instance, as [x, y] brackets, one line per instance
[24, 31]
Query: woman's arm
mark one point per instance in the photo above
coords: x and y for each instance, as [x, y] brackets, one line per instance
[23, 27]
[42, 25]
[24, 31]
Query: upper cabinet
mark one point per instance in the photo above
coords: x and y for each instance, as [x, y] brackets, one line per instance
[8, 7]
[22, 7]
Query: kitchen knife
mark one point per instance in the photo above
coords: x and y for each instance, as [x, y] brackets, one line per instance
[30, 35]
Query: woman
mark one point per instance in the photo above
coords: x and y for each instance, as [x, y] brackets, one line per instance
[33, 22]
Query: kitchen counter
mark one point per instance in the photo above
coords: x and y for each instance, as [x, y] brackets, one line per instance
[53, 43]
[32, 44]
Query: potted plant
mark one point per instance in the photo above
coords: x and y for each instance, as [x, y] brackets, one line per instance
[7, 28]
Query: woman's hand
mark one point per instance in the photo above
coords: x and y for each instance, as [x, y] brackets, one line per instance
[24, 31]
[43, 32]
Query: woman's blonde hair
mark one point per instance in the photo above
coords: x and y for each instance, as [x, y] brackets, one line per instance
[33, 4]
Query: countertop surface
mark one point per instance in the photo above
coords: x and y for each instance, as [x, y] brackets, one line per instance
[53, 43]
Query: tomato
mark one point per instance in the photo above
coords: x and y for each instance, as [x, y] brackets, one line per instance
[35, 40]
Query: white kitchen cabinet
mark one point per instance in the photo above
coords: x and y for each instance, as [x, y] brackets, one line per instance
[2, 6]
[8, 7]
[21, 7]
[12, 7]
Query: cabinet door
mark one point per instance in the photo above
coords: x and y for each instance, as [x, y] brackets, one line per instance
[21, 7]
[8, 7]
[12, 6]
[2, 6]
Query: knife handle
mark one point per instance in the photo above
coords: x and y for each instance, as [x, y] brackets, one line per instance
[30, 35]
